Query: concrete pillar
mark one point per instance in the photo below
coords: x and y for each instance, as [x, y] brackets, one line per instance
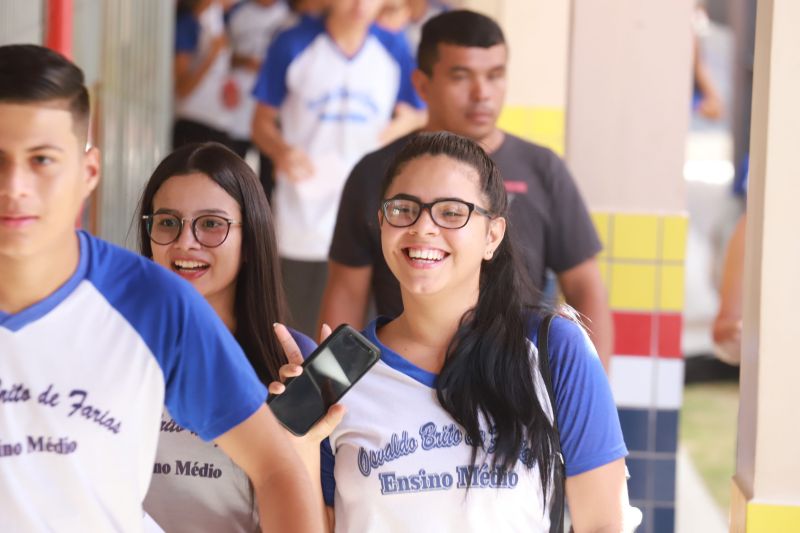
[766, 486]
[628, 106]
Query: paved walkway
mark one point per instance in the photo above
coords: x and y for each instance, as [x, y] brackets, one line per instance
[696, 511]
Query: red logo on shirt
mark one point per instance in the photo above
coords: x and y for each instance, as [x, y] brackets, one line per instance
[516, 187]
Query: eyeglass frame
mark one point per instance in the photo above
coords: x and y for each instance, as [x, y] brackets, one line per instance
[192, 224]
[428, 205]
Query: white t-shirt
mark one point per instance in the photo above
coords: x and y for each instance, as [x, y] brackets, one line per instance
[333, 107]
[399, 461]
[84, 376]
[251, 27]
[194, 36]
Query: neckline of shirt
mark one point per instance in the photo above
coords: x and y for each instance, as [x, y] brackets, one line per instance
[396, 361]
[16, 321]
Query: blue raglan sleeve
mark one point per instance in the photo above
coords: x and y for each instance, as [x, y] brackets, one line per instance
[397, 46]
[187, 34]
[327, 463]
[271, 88]
[210, 385]
[588, 422]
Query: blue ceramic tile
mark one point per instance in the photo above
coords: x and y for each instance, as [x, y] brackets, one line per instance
[637, 484]
[667, 431]
[663, 482]
[634, 428]
[664, 520]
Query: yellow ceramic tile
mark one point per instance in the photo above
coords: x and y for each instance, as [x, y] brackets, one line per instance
[600, 221]
[634, 237]
[765, 518]
[633, 287]
[542, 125]
[671, 288]
[548, 128]
[674, 237]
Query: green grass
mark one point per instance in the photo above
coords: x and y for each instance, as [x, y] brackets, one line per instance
[708, 431]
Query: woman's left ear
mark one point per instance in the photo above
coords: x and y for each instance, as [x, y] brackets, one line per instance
[495, 235]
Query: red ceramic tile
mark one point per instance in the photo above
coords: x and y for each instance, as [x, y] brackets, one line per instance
[669, 335]
[632, 333]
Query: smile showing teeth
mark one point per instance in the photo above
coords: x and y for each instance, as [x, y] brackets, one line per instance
[425, 254]
[189, 265]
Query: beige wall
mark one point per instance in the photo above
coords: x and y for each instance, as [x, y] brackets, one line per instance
[628, 102]
[538, 37]
[768, 464]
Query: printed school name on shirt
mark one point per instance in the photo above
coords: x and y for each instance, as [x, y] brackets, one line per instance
[75, 404]
[432, 437]
[345, 99]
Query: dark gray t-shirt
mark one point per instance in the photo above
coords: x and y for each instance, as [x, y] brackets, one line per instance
[547, 216]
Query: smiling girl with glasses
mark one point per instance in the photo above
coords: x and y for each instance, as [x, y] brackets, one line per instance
[453, 429]
[204, 216]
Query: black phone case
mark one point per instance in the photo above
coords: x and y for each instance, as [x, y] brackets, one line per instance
[341, 330]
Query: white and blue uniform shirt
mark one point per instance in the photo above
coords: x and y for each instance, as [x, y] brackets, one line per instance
[194, 36]
[84, 377]
[196, 487]
[251, 28]
[400, 463]
[333, 107]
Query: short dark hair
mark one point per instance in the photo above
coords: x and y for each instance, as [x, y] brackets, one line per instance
[31, 74]
[259, 300]
[460, 27]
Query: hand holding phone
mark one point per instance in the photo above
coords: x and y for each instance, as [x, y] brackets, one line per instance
[327, 374]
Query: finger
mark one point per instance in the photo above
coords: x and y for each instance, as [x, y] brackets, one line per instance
[324, 332]
[289, 371]
[276, 387]
[322, 429]
[290, 348]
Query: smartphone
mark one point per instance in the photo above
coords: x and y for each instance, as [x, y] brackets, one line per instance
[328, 373]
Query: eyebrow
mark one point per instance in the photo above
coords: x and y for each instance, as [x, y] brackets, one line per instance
[220, 212]
[45, 147]
[404, 196]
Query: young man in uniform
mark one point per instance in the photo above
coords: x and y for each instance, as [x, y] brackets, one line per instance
[462, 77]
[94, 340]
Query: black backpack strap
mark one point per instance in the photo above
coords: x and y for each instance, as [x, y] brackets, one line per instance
[559, 477]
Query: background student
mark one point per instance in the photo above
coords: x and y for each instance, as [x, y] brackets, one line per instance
[331, 89]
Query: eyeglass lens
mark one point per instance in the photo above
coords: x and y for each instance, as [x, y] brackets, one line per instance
[403, 212]
[209, 230]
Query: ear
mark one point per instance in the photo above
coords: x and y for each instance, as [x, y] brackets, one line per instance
[91, 169]
[420, 81]
[380, 217]
[494, 236]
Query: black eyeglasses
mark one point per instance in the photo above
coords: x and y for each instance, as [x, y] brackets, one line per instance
[403, 210]
[208, 230]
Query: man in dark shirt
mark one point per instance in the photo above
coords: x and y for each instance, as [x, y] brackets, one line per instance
[462, 76]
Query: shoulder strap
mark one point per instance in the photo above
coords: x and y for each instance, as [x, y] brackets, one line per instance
[559, 477]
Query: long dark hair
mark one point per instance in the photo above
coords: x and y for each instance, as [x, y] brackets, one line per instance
[488, 373]
[259, 300]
